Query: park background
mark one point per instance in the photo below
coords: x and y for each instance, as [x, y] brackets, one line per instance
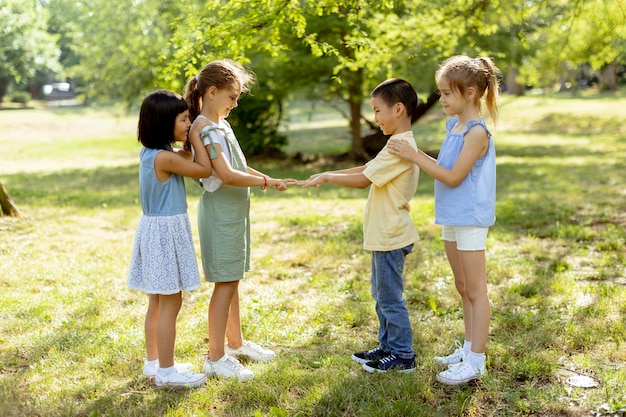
[71, 338]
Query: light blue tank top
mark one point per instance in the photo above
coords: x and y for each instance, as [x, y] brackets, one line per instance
[473, 201]
[159, 198]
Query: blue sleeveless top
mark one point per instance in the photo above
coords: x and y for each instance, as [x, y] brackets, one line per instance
[159, 198]
[473, 201]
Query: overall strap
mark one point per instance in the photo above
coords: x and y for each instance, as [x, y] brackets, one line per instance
[206, 133]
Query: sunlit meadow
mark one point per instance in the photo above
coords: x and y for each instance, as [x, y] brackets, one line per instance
[71, 333]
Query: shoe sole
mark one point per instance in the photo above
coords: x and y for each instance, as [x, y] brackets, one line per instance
[251, 358]
[359, 360]
[235, 354]
[192, 384]
[447, 381]
[382, 371]
[217, 376]
[446, 363]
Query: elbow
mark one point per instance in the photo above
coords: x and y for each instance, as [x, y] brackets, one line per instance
[206, 172]
[452, 182]
[228, 179]
[364, 184]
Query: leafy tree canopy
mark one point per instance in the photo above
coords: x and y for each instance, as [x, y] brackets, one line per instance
[25, 44]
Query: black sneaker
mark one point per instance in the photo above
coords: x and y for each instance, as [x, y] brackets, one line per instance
[366, 356]
[390, 363]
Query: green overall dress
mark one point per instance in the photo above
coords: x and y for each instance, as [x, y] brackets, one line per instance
[224, 224]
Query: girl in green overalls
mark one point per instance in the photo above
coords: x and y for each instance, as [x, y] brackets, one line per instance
[224, 213]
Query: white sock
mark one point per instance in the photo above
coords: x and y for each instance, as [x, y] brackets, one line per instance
[166, 371]
[477, 360]
[154, 363]
[467, 347]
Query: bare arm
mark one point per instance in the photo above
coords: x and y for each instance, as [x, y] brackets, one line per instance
[351, 178]
[475, 145]
[252, 178]
[181, 162]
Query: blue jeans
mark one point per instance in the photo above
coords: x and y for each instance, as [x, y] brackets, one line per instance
[394, 333]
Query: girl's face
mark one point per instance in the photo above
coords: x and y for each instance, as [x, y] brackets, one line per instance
[452, 101]
[181, 126]
[223, 100]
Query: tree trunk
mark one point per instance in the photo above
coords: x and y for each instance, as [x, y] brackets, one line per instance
[608, 77]
[355, 101]
[512, 86]
[4, 85]
[8, 208]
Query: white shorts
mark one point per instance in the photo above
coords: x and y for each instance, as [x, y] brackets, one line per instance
[466, 237]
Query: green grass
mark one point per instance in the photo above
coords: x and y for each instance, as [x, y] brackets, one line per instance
[71, 333]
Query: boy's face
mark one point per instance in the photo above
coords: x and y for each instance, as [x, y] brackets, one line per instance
[181, 126]
[386, 116]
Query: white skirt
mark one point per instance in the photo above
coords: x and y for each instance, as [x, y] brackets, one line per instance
[164, 259]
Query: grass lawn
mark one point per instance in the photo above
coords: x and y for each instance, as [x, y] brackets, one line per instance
[71, 333]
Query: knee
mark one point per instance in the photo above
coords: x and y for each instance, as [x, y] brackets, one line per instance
[460, 287]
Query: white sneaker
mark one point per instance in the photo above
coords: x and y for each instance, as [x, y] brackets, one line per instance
[251, 350]
[460, 374]
[227, 367]
[180, 378]
[150, 370]
[455, 357]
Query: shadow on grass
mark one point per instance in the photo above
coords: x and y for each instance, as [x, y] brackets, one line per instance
[81, 188]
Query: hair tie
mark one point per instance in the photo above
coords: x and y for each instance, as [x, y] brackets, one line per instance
[197, 77]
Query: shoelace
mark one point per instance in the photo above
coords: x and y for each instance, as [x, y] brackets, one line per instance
[386, 359]
[458, 351]
[258, 349]
[233, 363]
[373, 351]
[461, 368]
[187, 374]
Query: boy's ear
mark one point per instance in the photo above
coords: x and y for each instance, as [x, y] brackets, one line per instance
[399, 108]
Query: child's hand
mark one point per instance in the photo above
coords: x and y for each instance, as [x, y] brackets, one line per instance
[288, 182]
[282, 185]
[314, 180]
[403, 149]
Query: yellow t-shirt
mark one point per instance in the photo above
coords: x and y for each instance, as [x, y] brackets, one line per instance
[387, 224]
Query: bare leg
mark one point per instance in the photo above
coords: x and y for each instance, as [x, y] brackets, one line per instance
[219, 309]
[166, 328]
[473, 263]
[150, 327]
[233, 328]
[454, 259]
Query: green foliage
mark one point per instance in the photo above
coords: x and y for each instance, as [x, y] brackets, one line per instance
[20, 97]
[571, 35]
[255, 122]
[117, 47]
[25, 46]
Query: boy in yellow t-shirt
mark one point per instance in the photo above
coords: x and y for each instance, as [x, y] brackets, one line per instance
[388, 231]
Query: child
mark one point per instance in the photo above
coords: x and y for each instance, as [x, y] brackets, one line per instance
[224, 214]
[388, 231]
[465, 196]
[163, 261]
